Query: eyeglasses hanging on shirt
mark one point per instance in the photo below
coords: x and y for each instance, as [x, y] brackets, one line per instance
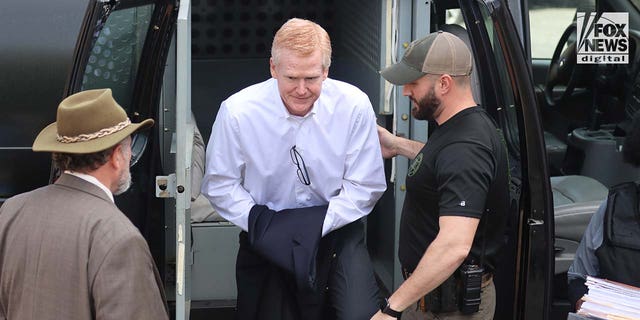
[303, 175]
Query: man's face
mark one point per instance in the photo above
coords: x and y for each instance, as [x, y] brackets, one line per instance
[299, 79]
[425, 104]
[124, 179]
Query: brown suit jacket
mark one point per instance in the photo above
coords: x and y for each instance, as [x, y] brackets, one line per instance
[67, 252]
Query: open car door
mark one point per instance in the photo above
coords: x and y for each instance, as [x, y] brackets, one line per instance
[124, 45]
[526, 274]
[535, 222]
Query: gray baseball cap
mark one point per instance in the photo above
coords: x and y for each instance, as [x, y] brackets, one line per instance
[438, 53]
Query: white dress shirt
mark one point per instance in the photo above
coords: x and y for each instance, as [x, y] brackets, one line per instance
[93, 180]
[249, 161]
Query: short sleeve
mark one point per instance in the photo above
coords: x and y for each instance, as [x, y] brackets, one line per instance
[464, 172]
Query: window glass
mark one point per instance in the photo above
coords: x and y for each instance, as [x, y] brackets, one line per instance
[116, 52]
[549, 19]
[505, 83]
[507, 111]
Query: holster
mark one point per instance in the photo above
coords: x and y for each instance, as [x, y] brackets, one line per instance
[442, 299]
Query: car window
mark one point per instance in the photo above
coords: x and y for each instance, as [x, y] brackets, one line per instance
[507, 111]
[116, 52]
[549, 19]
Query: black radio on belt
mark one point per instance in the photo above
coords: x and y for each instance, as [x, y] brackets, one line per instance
[471, 286]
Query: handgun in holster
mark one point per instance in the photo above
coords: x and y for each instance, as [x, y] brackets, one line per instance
[441, 299]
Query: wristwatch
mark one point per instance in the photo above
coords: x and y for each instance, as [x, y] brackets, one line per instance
[386, 309]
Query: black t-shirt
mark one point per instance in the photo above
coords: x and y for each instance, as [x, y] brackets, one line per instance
[461, 171]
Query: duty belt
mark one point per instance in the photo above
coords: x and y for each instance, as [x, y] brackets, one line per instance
[487, 278]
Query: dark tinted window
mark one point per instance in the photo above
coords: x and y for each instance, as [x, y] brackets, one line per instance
[116, 52]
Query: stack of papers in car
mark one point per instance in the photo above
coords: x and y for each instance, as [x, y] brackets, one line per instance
[610, 300]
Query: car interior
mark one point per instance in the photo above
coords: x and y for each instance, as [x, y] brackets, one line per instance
[586, 111]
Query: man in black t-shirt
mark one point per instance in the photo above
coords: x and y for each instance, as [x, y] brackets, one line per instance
[457, 187]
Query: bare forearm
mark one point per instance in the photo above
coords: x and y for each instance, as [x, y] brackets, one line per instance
[392, 145]
[437, 264]
[408, 148]
[443, 256]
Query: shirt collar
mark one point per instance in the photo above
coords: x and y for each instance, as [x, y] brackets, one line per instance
[93, 180]
[308, 115]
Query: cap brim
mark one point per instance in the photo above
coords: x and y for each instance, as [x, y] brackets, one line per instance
[400, 73]
[47, 141]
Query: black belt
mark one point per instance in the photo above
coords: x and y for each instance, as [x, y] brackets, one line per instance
[487, 277]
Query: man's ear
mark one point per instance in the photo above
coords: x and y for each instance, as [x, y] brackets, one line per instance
[445, 83]
[116, 157]
[272, 68]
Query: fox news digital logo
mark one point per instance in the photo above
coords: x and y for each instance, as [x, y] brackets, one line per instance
[603, 39]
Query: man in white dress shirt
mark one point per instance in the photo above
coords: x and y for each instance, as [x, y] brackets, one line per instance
[299, 140]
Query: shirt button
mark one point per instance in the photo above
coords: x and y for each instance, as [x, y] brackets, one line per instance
[326, 289]
[333, 255]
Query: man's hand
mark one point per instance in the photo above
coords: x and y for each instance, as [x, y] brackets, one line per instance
[579, 304]
[379, 315]
[392, 145]
[387, 143]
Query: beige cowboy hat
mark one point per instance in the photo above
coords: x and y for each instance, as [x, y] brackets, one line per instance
[88, 121]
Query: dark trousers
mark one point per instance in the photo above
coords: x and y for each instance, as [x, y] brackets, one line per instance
[346, 287]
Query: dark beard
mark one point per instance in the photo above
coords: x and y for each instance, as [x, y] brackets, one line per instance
[426, 108]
